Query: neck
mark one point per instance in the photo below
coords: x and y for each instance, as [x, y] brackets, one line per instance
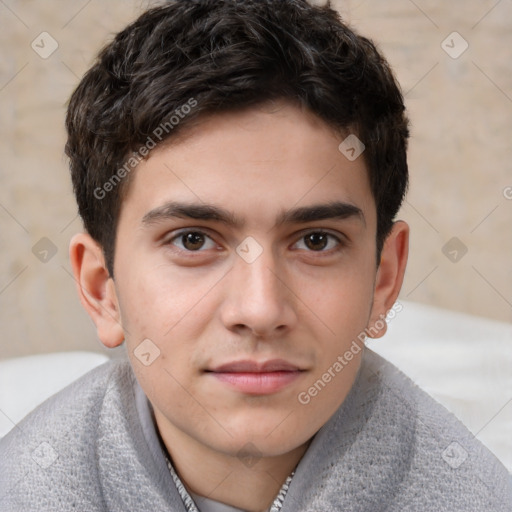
[247, 481]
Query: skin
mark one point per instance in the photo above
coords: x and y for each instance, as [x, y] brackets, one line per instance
[304, 299]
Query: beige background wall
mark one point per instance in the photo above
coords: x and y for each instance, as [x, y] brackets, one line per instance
[460, 154]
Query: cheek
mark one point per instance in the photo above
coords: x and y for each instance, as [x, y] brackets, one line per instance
[159, 302]
[339, 301]
[165, 315]
[339, 314]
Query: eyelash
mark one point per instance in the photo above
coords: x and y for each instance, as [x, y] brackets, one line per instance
[183, 232]
[339, 243]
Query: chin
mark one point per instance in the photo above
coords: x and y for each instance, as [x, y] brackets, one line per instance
[257, 438]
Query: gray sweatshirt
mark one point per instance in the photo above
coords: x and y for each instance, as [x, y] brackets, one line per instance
[390, 447]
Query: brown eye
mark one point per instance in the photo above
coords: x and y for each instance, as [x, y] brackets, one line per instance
[316, 241]
[193, 241]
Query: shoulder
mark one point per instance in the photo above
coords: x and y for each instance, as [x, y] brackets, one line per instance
[446, 465]
[391, 447]
[54, 446]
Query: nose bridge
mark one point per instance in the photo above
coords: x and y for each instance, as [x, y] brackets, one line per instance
[258, 278]
[258, 298]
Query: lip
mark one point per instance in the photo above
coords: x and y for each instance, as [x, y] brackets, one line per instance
[248, 366]
[257, 378]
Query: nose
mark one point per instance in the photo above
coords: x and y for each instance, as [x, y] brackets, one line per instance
[259, 300]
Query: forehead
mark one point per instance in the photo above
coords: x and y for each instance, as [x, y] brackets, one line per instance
[257, 163]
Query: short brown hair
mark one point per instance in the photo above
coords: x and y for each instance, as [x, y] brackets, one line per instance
[189, 58]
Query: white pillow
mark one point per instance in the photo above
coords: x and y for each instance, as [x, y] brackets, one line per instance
[462, 361]
[25, 382]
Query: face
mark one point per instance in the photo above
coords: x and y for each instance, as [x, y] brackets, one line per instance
[245, 268]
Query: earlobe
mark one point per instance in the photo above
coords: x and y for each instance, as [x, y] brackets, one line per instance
[390, 276]
[96, 288]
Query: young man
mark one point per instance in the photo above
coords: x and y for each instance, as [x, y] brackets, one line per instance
[238, 166]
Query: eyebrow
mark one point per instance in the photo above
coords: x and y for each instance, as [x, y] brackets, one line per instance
[336, 210]
[206, 212]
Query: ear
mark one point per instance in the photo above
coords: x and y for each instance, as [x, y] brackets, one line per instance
[389, 279]
[96, 288]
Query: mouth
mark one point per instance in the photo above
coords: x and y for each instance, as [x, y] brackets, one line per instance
[255, 378]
